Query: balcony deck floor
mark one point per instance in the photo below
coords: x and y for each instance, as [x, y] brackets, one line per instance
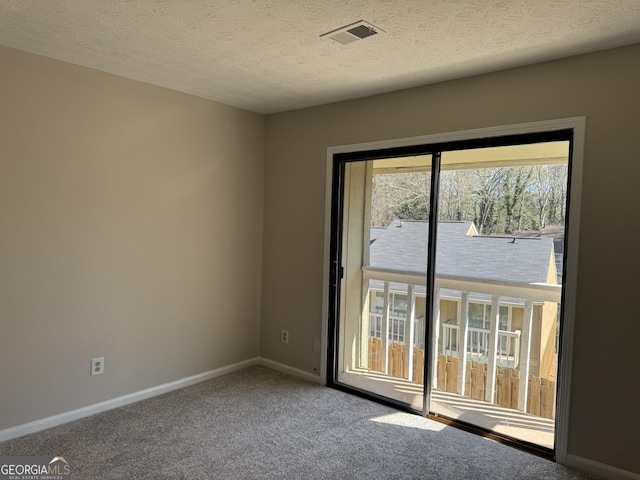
[516, 424]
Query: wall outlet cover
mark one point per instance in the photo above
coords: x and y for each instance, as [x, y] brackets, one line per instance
[97, 366]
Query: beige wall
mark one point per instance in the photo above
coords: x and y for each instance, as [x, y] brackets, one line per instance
[601, 86]
[130, 228]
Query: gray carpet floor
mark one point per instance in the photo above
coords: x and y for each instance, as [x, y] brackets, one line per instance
[261, 424]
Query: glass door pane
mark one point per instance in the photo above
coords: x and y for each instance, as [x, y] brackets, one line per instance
[498, 288]
[382, 308]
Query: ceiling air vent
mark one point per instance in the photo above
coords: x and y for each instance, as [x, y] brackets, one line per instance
[352, 33]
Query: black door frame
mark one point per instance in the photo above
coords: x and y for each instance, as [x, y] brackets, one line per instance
[339, 161]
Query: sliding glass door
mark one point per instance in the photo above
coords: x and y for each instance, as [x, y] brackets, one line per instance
[447, 280]
[499, 287]
[382, 316]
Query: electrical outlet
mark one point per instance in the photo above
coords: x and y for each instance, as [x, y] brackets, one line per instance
[285, 336]
[97, 366]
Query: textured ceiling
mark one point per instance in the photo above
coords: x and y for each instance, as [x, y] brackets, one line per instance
[267, 55]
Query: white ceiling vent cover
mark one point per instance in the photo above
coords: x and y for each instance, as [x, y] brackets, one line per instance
[352, 33]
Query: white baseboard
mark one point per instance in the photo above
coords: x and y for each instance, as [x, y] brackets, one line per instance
[588, 466]
[55, 420]
[281, 367]
[42, 424]
[598, 469]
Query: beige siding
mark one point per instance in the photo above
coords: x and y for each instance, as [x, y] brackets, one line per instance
[448, 314]
[516, 318]
[449, 311]
[536, 342]
[552, 274]
[548, 340]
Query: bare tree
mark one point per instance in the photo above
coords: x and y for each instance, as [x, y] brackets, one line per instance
[499, 200]
[400, 195]
[515, 183]
[455, 199]
[487, 193]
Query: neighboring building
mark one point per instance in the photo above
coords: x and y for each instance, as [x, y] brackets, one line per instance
[471, 261]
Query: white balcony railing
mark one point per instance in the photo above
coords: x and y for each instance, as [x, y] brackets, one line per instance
[513, 349]
[508, 348]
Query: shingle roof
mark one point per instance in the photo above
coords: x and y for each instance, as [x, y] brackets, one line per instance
[403, 246]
